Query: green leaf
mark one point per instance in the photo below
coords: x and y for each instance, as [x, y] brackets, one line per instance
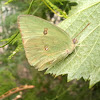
[82, 5]
[85, 60]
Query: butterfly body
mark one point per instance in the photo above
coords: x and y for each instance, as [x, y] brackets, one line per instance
[45, 44]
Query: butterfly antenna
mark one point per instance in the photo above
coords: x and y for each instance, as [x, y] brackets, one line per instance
[82, 30]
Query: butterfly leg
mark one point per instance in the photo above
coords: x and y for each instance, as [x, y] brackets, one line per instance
[80, 45]
[76, 54]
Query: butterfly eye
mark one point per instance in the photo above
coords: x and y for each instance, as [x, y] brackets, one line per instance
[45, 31]
[75, 41]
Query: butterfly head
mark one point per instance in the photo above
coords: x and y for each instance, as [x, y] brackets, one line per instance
[75, 41]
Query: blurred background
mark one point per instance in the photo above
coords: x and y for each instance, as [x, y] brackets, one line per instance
[14, 68]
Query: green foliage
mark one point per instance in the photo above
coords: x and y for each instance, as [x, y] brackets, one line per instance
[16, 71]
[19, 45]
[7, 81]
[9, 1]
[66, 5]
[52, 7]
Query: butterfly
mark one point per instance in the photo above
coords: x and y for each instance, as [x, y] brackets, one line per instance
[45, 44]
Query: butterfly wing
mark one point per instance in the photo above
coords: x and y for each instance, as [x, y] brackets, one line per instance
[44, 43]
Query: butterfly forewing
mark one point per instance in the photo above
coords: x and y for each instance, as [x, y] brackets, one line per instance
[44, 43]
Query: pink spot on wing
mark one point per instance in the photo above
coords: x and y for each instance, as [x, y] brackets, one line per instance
[45, 31]
[46, 48]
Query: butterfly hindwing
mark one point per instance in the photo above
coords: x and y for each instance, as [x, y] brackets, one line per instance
[44, 43]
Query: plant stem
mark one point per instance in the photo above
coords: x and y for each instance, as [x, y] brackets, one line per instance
[30, 6]
[10, 40]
